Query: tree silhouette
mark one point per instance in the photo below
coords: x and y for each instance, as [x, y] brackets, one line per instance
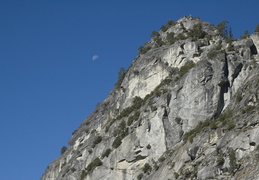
[257, 28]
[222, 28]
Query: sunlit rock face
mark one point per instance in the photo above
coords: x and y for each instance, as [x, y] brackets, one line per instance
[187, 108]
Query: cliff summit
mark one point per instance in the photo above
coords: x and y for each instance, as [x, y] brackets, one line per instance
[186, 108]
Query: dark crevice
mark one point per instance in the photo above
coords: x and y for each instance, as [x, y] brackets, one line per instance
[252, 143]
[149, 126]
[137, 158]
[166, 125]
[121, 160]
[224, 86]
[236, 72]
[253, 49]
[165, 113]
[137, 152]
[225, 67]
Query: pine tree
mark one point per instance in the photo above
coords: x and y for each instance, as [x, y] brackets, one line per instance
[63, 150]
[222, 28]
[230, 33]
[257, 28]
[154, 33]
[246, 33]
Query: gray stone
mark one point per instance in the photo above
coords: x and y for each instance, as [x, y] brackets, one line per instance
[168, 111]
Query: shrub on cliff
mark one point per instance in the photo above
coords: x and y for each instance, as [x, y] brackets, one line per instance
[143, 50]
[117, 142]
[196, 32]
[222, 29]
[96, 162]
[63, 150]
[257, 28]
[106, 153]
[167, 25]
[154, 33]
[97, 140]
[185, 68]
[170, 38]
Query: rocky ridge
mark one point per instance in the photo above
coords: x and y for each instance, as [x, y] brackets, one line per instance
[185, 109]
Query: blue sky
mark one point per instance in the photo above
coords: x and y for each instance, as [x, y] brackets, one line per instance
[49, 82]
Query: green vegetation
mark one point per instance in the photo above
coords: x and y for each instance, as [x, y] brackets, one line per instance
[158, 91]
[93, 131]
[256, 28]
[176, 175]
[158, 41]
[143, 50]
[192, 133]
[170, 37]
[63, 150]
[154, 33]
[178, 120]
[91, 166]
[230, 46]
[148, 146]
[181, 36]
[74, 132]
[83, 175]
[117, 142]
[169, 24]
[213, 125]
[136, 72]
[161, 159]
[155, 166]
[153, 108]
[147, 168]
[220, 159]
[121, 76]
[225, 119]
[96, 141]
[106, 153]
[196, 32]
[219, 45]
[90, 151]
[239, 97]
[137, 102]
[133, 118]
[122, 130]
[214, 52]
[122, 125]
[248, 108]
[230, 34]
[63, 164]
[222, 28]
[163, 28]
[139, 177]
[95, 163]
[232, 161]
[246, 34]
[230, 125]
[182, 26]
[185, 68]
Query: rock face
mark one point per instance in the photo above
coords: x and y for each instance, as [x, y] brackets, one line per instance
[187, 108]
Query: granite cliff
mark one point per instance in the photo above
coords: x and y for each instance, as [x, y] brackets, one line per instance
[186, 108]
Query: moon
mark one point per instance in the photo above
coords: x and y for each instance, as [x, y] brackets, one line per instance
[95, 57]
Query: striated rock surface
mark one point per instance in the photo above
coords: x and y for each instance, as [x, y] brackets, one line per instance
[187, 108]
